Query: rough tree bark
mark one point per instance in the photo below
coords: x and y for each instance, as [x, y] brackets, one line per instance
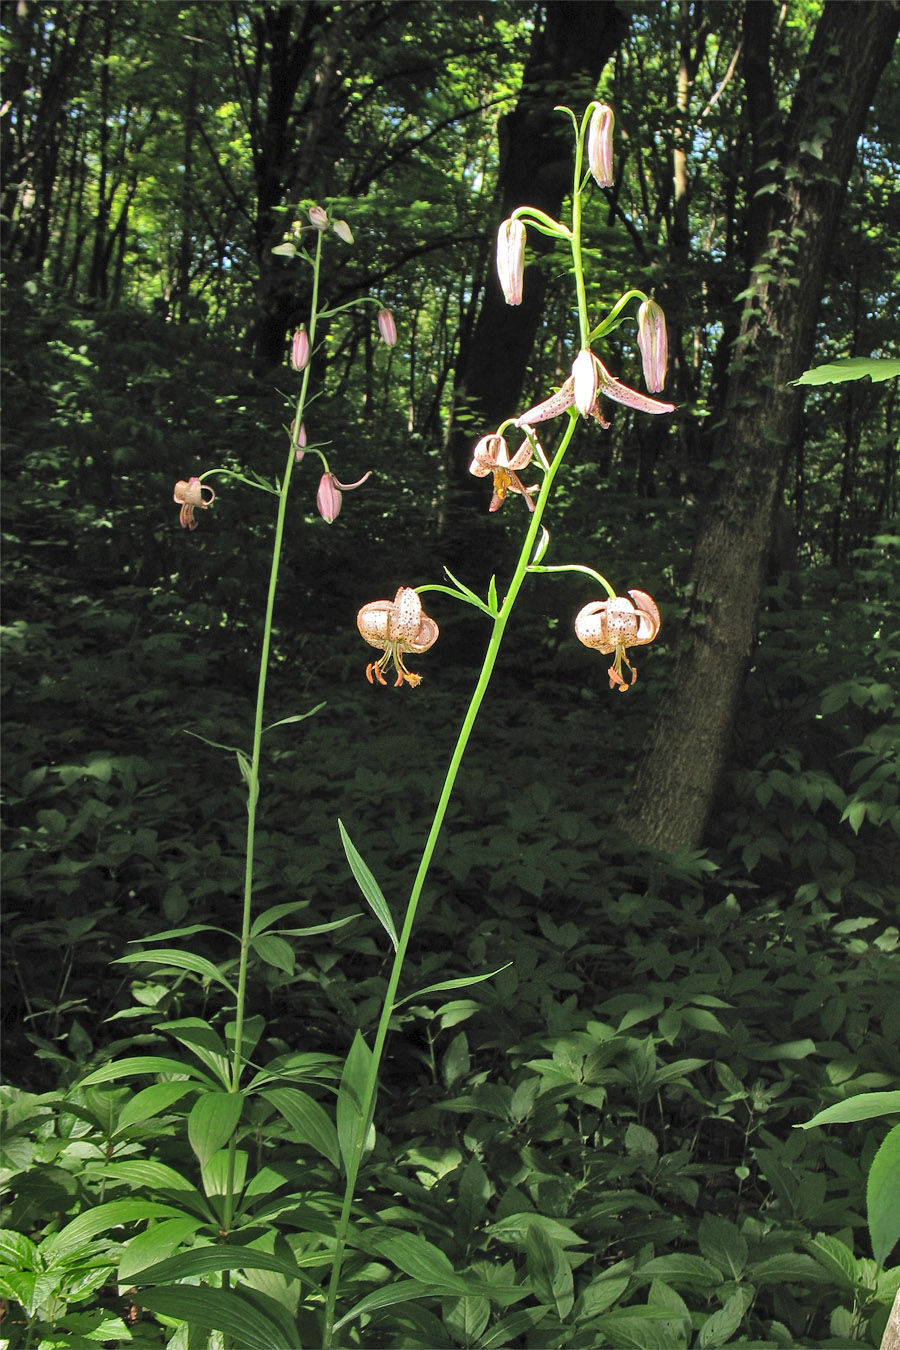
[570, 47]
[677, 775]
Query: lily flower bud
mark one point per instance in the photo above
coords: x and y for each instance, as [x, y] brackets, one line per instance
[299, 439]
[319, 217]
[387, 327]
[586, 375]
[599, 145]
[328, 496]
[654, 344]
[300, 349]
[342, 230]
[511, 260]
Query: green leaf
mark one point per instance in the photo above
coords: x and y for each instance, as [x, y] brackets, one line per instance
[172, 957]
[864, 1106]
[401, 1291]
[206, 1043]
[549, 1271]
[297, 717]
[80, 1231]
[837, 1259]
[274, 951]
[349, 1113]
[155, 1245]
[276, 912]
[851, 368]
[721, 1326]
[151, 1101]
[466, 1318]
[722, 1243]
[786, 1050]
[216, 1310]
[124, 1068]
[681, 1268]
[18, 1250]
[883, 1197]
[369, 886]
[213, 1120]
[309, 1121]
[413, 1255]
[462, 982]
[207, 1260]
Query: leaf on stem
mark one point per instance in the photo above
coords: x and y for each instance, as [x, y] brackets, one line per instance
[369, 886]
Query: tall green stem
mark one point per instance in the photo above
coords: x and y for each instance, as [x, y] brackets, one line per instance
[367, 1104]
[237, 1064]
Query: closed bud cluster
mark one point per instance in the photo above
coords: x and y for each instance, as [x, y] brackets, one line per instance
[600, 145]
[511, 260]
[654, 344]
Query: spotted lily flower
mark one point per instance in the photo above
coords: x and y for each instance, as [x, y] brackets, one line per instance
[511, 260]
[614, 625]
[491, 455]
[189, 496]
[591, 377]
[396, 627]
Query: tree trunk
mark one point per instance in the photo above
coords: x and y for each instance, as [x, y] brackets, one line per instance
[678, 773]
[568, 52]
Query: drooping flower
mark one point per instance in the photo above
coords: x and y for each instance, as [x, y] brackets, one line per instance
[600, 145]
[511, 260]
[300, 349]
[615, 625]
[591, 376]
[189, 496]
[328, 496]
[387, 327]
[491, 456]
[586, 375]
[653, 342]
[396, 627]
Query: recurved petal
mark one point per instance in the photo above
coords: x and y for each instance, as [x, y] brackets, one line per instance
[373, 622]
[648, 617]
[590, 626]
[620, 393]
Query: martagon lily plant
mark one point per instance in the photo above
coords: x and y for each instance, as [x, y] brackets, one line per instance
[399, 629]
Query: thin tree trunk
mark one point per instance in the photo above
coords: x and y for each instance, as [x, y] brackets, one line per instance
[677, 775]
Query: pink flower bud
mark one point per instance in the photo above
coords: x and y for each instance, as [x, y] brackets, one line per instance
[299, 439]
[511, 260]
[300, 349]
[319, 217]
[654, 344]
[328, 498]
[342, 230]
[587, 381]
[599, 146]
[386, 327]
